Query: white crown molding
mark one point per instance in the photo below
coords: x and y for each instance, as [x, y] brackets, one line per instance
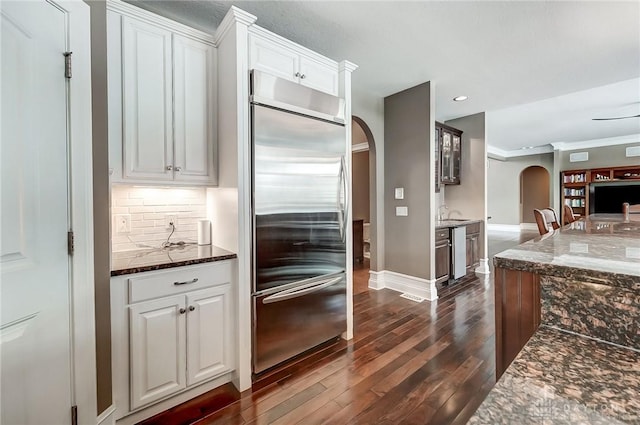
[360, 147]
[127, 9]
[288, 44]
[502, 154]
[235, 15]
[347, 66]
[597, 143]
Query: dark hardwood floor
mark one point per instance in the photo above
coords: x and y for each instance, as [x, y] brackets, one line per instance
[409, 363]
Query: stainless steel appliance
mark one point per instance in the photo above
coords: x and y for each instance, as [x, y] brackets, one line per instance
[300, 214]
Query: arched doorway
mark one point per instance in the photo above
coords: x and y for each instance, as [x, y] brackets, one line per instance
[363, 193]
[534, 192]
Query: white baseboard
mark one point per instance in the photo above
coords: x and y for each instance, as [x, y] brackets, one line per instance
[376, 280]
[528, 226]
[504, 227]
[483, 267]
[399, 282]
[107, 417]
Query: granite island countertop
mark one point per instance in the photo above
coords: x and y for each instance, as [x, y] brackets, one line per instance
[561, 378]
[601, 248]
[143, 260]
[441, 224]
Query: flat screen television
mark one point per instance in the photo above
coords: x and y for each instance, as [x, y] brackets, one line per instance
[608, 197]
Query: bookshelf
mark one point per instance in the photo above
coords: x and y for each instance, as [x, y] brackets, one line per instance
[575, 185]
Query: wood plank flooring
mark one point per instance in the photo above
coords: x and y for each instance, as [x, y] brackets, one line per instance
[409, 363]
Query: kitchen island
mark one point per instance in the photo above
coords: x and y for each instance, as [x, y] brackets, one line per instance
[568, 312]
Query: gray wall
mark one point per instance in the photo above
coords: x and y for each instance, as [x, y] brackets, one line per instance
[101, 210]
[609, 156]
[408, 130]
[360, 185]
[503, 183]
[370, 109]
[467, 200]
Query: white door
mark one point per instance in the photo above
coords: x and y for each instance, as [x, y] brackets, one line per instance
[35, 324]
[194, 80]
[157, 341]
[147, 103]
[208, 327]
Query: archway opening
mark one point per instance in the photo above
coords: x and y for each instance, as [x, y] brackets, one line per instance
[363, 193]
[534, 192]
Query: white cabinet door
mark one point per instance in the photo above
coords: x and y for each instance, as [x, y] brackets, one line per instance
[157, 341]
[318, 76]
[209, 323]
[273, 59]
[194, 81]
[147, 101]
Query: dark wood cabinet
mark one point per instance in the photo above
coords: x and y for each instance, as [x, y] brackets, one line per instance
[473, 247]
[517, 313]
[443, 255]
[358, 240]
[449, 154]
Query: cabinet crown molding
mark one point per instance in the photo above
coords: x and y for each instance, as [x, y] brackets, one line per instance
[151, 18]
[347, 66]
[235, 15]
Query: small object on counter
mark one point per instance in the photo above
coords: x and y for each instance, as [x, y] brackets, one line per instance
[204, 232]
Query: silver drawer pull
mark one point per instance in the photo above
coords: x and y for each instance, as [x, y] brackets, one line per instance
[186, 282]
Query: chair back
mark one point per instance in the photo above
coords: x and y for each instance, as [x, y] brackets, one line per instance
[567, 215]
[546, 218]
[630, 209]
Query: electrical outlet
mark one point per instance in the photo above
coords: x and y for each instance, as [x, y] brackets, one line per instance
[171, 221]
[123, 223]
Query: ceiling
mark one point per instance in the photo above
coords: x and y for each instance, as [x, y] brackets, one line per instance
[524, 63]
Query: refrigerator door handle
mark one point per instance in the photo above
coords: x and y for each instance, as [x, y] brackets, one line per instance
[296, 292]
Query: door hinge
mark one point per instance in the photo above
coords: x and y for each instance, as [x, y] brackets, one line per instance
[67, 64]
[74, 415]
[70, 242]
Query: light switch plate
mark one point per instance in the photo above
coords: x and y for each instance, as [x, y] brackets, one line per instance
[399, 192]
[402, 211]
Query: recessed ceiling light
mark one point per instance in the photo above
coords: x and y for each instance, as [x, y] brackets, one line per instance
[460, 98]
[527, 147]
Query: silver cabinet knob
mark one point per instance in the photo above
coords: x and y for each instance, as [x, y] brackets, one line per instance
[178, 168]
[297, 74]
[302, 77]
[182, 311]
[191, 308]
[169, 167]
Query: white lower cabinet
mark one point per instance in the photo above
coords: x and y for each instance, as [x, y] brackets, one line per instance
[158, 343]
[172, 330]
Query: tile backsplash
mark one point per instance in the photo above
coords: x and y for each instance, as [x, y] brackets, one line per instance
[148, 208]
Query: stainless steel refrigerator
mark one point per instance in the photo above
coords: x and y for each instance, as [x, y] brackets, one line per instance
[300, 214]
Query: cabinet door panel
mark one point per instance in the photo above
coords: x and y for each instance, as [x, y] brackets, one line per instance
[443, 261]
[193, 110]
[273, 59]
[208, 333]
[147, 101]
[319, 76]
[157, 340]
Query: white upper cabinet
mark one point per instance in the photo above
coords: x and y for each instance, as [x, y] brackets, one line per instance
[194, 85]
[147, 100]
[162, 95]
[282, 58]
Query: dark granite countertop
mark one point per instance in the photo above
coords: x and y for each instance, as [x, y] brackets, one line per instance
[562, 378]
[602, 248]
[441, 224]
[143, 260]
